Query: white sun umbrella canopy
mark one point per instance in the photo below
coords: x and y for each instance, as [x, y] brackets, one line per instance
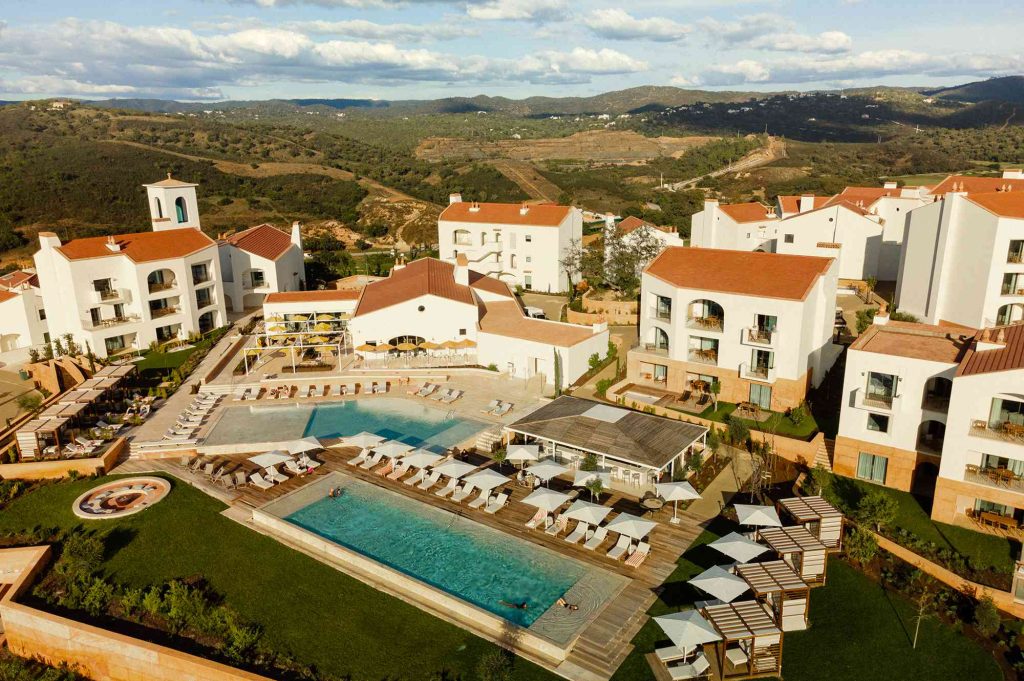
[486, 480]
[522, 453]
[270, 458]
[581, 478]
[546, 499]
[631, 526]
[676, 492]
[306, 444]
[720, 583]
[421, 458]
[757, 516]
[454, 469]
[738, 547]
[687, 629]
[392, 449]
[586, 512]
[545, 470]
[363, 439]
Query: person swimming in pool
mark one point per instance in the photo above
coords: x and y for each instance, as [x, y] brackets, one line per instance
[567, 605]
[518, 606]
[334, 493]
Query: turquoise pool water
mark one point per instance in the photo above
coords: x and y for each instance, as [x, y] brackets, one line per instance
[411, 422]
[471, 561]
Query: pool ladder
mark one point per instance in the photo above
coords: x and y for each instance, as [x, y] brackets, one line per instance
[450, 415]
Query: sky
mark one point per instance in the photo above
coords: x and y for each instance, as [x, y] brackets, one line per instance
[423, 49]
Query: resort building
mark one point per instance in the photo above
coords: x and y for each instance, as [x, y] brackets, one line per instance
[439, 306]
[22, 313]
[633, 228]
[964, 257]
[125, 292]
[757, 325]
[735, 227]
[258, 261]
[521, 245]
[634, 449]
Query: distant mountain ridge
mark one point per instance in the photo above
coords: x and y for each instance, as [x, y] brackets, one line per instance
[1005, 89]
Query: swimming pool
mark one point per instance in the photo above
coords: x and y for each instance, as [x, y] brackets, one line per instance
[411, 422]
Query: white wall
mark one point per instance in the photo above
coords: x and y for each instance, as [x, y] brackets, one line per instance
[20, 326]
[713, 228]
[287, 273]
[860, 237]
[524, 359]
[441, 319]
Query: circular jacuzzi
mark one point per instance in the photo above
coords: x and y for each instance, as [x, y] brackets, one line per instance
[120, 498]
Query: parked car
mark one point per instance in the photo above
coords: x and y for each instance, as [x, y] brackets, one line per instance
[535, 312]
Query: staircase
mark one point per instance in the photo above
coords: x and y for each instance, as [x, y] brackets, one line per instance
[607, 642]
[486, 440]
[825, 455]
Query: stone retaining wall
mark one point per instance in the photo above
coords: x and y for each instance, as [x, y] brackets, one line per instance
[62, 468]
[618, 312]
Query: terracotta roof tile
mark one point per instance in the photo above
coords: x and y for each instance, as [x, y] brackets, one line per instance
[18, 278]
[427, 276]
[326, 295]
[915, 341]
[140, 246]
[766, 275]
[633, 223]
[864, 196]
[541, 215]
[791, 204]
[170, 182]
[1006, 204]
[7, 295]
[265, 241]
[506, 318]
[490, 284]
[748, 212]
[974, 185]
[1006, 358]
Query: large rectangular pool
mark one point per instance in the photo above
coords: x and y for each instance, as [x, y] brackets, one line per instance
[411, 422]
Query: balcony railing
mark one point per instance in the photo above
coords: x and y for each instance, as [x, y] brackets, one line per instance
[998, 430]
[703, 356]
[755, 335]
[1015, 258]
[200, 278]
[705, 323]
[1015, 290]
[1001, 478]
[203, 302]
[112, 321]
[157, 313]
[108, 295]
[654, 349]
[158, 287]
[865, 400]
[663, 315]
[757, 373]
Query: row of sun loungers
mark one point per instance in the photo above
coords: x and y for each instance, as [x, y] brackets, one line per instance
[591, 539]
[497, 408]
[192, 418]
[433, 391]
[263, 479]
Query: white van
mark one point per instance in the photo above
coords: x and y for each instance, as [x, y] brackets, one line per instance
[535, 312]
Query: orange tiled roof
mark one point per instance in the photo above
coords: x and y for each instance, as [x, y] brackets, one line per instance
[427, 276]
[326, 295]
[170, 182]
[1006, 358]
[864, 196]
[18, 278]
[748, 212]
[974, 185]
[541, 215]
[490, 284]
[1006, 204]
[140, 246]
[506, 318]
[7, 295]
[265, 241]
[791, 204]
[766, 275]
[633, 223]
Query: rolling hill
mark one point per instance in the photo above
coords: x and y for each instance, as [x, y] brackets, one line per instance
[1005, 89]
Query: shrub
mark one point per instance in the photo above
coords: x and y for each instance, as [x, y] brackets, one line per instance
[492, 367]
[494, 666]
[98, 597]
[602, 386]
[876, 508]
[81, 554]
[861, 546]
[986, 617]
[613, 350]
[589, 463]
[594, 361]
[29, 401]
[738, 431]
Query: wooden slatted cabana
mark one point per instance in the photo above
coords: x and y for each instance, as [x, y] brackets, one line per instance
[776, 585]
[801, 550]
[821, 519]
[38, 435]
[751, 644]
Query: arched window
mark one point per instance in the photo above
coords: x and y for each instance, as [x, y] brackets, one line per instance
[660, 339]
[462, 238]
[179, 208]
[705, 315]
[512, 261]
[158, 208]
[1008, 314]
[483, 238]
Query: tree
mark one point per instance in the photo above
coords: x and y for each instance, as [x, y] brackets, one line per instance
[924, 592]
[986, 617]
[876, 508]
[715, 389]
[29, 401]
[594, 361]
[589, 462]
[500, 457]
[558, 373]
[571, 263]
[860, 545]
[595, 486]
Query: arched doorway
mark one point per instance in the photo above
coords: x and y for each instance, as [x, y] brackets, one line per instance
[930, 436]
[706, 315]
[207, 321]
[925, 475]
[180, 210]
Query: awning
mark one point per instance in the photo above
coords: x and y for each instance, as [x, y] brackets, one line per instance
[687, 629]
[522, 453]
[546, 499]
[268, 459]
[720, 583]
[757, 516]
[631, 526]
[587, 512]
[545, 470]
[738, 547]
[487, 479]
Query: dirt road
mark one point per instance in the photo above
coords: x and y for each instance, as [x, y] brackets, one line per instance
[536, 186]
[775, 150]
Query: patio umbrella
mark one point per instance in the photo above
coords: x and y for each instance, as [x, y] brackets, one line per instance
[676, 492]
[738, 547]
[687, 629]
[366, 347]
[299, 318]
[406, 347]
[363, 439]
[545, 470]
[455, 468]
[385, 347]
[270, 458]
[421, 458]
[582, 478]
[392, 449]
[720, 583]
[522, 453]
[325, 317]
[275, 318]
[429, 345]
[465, 343]
[546, 499]
[757, 516]
[487, 479]
[450, 345]
[631, 526]
[316, 339]
[592, 514]
[306, 444]
[322, 326]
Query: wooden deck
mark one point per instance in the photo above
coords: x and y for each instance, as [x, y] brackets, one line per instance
[605, 642]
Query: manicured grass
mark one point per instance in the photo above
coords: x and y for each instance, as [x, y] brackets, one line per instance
[857, 633]
[164, 361]
[307, 609]
[777, 423]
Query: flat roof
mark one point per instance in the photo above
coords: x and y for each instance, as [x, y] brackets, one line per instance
[793, 539]
[116, 370]
[771, 576]
[743, 620]
[623, 434]
[915, 341]
[806, 509]
[506, 318]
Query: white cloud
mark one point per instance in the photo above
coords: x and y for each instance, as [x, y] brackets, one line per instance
[616, 24]
[518, 10]
[772, 32]
[827, 42]
[369, 30]
[859, 66]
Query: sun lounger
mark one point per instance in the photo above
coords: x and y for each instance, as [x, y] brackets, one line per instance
[491, 406]
[371, 461]
[497, 504]
[670, 654]
[380, 388]
[561, 522]
[427, 389]
[311, 391]
[447, 489]
[596, 539]
[441, 394]
[239, 394]
[360, 457]
[694, 670]
[505, 408]
[274, 475]
[620, 548]
[309, 462]
[429, 481]
[482, 499]
[463, 493]
[639, 554]
[336, 390]
[577, 535]
[452, 396]
[218, 474]
[103, 425]
[257, 480]
[416, 479]
[296, 467]
[86, 442]
[399, 471]
[537, 518]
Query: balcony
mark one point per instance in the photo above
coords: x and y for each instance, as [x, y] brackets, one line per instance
[661, 315]
[699, 356]
[757, 336]
[876, 401]
[1013, 290]
[107, 296]
[998, 430]
[157, 313]
[705, 323]
[88, 323]
[200, 278]
[654, 349]
[161, 287]
[757, 373]
[935, 402]
[999, 478]
[204, 302]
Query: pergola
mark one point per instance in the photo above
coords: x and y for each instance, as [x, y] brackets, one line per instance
[115, 371]
[800, 549]
[40, 434]
[751, 644]
[775, 584]
[821, 519]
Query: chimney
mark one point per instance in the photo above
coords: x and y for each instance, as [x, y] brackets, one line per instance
[1013, 174]
[474, 207]
[297, 234]
[462, 269]
[524, 209]
[454, 198]
[399, 264]
[112, 245]
[890, 185]
[806, 203]
[48, 240]
[985, 341]
[881, 318]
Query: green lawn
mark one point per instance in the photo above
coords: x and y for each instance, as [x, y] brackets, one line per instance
[315, 613]
[776, 422]
[164, 361]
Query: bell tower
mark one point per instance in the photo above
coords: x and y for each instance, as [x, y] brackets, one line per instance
[172, 204]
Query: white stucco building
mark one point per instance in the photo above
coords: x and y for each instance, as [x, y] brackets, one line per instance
[758, 324]
[735, 227]
[258, 261]
[22, 313]
[521, 244]
[435, 301]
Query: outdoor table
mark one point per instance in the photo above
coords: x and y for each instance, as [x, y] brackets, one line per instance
[1001, 521]
[736, 656]
[1002, 475]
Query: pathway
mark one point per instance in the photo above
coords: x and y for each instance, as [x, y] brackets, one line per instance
[536, 186]
[775, 150]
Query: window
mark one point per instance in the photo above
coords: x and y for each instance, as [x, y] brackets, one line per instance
[200, 274]
[512, 261]
[462, 238]
[1013, 284]
[483, 238]
[529, 259]
[872, 467]
[1005, 411]
[788, 238]
[529, 238]
[878, 423]
[663, 308]
[761, 395]
[257, 278]
[881, 388]
[528, 283]
[104, 288]
[94, 315]
[462, 332]
[42, 315]
[119, 311]
[115, 344]
[1015, 254]
[158, 208]
[203, 298]
[512, 240]
[165, 333]
[180, 210]
[660, 373]
[46, 337]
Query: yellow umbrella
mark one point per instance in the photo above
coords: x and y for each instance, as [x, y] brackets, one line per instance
[325, 317]
[406, 347]
[384, 347]
[275, 318]
[322, 326]
[276, 328]
[465, 343]
[450, 345]
[299, 318]
[366, 347]
[427, 345]
[317, 339]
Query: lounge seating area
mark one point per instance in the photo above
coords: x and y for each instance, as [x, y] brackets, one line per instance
[261, 471]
